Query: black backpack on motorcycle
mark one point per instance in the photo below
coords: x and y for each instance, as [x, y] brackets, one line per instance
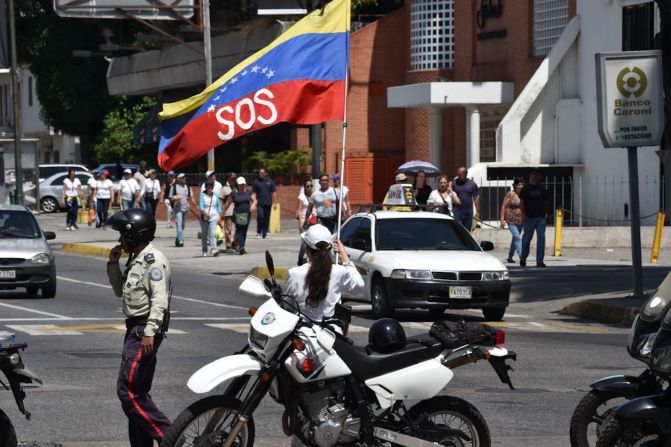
[454, 334]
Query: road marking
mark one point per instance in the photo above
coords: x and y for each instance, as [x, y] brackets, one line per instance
[43, 329]
[177, 297]
[25, 309]
[239, 328]
[9, 320]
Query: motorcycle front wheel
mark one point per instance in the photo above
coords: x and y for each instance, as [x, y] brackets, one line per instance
[589, 416]
[7, 433]
[639, 433]
[449, 421]
[193, 427]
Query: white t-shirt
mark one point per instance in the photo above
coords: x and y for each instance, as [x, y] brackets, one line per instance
[324, 203]
[344, 279]
[216, 190]
[345, 191]
[436, 199]
[128, 188]
[152, 187]
[304, 205]
[72, 187]
[91, 183]
[103, 189]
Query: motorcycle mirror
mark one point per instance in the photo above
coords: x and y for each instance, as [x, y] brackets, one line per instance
[268, 283]
[254, 287]
[270, 264]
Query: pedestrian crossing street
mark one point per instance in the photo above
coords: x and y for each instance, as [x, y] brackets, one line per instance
[241, 326]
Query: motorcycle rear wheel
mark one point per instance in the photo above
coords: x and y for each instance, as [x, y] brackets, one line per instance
[442, 413]
[640, 433]
[7, 432]
[185, 431]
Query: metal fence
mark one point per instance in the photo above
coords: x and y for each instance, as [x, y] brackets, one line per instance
[586, 201]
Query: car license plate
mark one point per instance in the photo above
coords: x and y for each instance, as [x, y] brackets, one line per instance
[7, 274]
[461, 292]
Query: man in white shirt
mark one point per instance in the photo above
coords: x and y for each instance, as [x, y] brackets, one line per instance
[91, 184]
[211, 175]
[129, 191]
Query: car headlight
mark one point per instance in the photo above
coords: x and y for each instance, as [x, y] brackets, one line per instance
[41, 258]
[495, 276]
[411, 274]
[257, 338]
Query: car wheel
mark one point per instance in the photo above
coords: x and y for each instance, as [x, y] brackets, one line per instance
[494, 314]
[32, 290]
[49, 205]
[378, 299]
[49, 291]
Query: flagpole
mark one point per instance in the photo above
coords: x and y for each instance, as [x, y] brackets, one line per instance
[344, 124]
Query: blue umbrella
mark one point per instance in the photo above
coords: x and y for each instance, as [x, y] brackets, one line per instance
[414, 166]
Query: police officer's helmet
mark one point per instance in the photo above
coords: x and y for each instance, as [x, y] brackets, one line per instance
[386, 335]
[137, 225]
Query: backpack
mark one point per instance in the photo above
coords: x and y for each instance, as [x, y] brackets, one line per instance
[454, 334]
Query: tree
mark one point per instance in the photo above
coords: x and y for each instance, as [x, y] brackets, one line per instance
[116, 139]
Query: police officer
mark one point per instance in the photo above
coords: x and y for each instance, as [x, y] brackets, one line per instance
[145, 288]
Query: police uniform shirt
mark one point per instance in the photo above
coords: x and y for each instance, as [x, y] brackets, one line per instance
[144, 287]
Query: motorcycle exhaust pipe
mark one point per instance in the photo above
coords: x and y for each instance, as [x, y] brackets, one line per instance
[400, 438]
[230, 440]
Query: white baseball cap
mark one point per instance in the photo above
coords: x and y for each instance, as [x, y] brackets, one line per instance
[316, 234]
[127, 171]
[181, 174]
[241, 181]
[209, 173]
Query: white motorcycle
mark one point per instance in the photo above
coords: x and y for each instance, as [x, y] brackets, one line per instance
[334, 392]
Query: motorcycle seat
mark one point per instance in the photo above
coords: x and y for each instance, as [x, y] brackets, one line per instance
[366, 364]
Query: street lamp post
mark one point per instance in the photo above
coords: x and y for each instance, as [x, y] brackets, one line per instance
[16, 96]
[207, 49]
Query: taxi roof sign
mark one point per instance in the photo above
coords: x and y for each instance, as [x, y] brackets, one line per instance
[400, 194]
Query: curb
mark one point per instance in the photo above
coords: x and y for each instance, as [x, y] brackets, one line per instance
[86, 249]
[603, 313]
[263, 273]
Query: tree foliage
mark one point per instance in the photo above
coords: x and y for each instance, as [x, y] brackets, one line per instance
[116, 138]
[286, 162]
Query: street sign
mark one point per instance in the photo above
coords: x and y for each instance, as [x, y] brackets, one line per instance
[630, 98]
[109, 9]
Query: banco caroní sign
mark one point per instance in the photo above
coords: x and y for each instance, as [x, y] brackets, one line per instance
[629, 98]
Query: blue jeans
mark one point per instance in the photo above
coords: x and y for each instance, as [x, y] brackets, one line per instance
[150, 205]
[127, 204]
[71, 215]
[516, 242]
[466, 219]
[536, 224]
[102, 208]
[262, 219]
[241, 236]
[208, 230]
[180, 220]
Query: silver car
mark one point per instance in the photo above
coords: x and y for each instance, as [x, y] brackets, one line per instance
[51, 191]
[26, 260]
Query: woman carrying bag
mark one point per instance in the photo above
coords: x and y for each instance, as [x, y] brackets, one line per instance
[442, 199]
[511, 214]
[244, 202]
[210, 210]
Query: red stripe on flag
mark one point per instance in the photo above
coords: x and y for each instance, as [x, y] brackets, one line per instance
[300, 102]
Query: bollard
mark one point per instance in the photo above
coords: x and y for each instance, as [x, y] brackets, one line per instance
[559, 223]
[657, 242]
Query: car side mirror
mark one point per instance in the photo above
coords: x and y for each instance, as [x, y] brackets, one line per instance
[49, 235]
[487, 246]
[361, 244]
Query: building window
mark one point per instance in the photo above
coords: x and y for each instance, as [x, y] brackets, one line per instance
[427, 27]
[638, 27]
[490, 117]
[550, 19]
[30, 91]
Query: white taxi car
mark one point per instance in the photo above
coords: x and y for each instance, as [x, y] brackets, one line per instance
[424, 260]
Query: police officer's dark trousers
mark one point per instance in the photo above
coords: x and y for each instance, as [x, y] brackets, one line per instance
[145, 421]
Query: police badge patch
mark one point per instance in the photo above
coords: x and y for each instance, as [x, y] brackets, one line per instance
[155, 274]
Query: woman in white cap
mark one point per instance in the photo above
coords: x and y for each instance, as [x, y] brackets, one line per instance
[151, 192]
[129, 191]
[244, 201]
[319, 284]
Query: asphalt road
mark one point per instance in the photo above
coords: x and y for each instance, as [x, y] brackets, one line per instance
[74, 342]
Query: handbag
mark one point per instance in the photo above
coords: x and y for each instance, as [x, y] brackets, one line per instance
[454, 334]
[241, 219]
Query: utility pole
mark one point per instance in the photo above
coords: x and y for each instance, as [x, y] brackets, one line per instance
[16, 96]
[207, 48]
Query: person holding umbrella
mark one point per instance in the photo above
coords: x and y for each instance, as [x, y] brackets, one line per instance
[422, 190]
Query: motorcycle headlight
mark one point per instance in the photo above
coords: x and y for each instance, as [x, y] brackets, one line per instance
[41, 258]
[257, 339]
[411, 274]
[495, 276]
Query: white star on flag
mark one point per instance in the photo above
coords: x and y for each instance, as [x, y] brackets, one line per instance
[223, 90]
[234, 80]
[244, 73]
[217, 98]
[211, 108]
[265, 69]
[270, 74]
[255, 69]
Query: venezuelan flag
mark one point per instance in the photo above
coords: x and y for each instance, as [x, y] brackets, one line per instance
[298, 78]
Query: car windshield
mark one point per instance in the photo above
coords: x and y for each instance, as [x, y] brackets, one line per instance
[422, 234]
[18, 224]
